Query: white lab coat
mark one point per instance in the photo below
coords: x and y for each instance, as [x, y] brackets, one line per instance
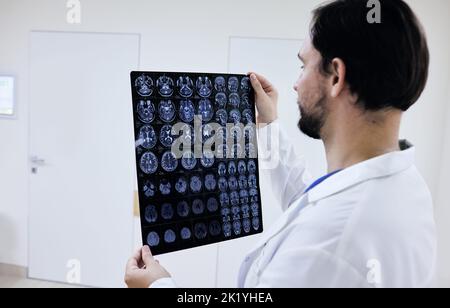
[371, 225]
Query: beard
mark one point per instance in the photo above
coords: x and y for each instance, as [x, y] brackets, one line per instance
[312, 121]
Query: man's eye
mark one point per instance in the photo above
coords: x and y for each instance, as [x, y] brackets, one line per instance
[302, 67]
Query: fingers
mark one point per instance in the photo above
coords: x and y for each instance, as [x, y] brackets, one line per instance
[265, 84]
[147, 256]
[134, 261]
[256, 84]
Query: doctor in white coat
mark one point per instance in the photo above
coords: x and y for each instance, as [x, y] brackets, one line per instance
[369, 222]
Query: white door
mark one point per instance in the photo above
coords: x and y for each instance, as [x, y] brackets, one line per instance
[82, 156]
[277, 60]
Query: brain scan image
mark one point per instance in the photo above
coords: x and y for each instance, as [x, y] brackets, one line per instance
[221, 100]
[181, 185]
[169, 162]
[204, 86]
[167, 211]
[165, 137]
[196, 186]
[149, 163]
[235, 100]
[200, 231]
[198, 207]
[165, 86]
[215, 229]
[183, 209]
[170, 236]
[185, 86]
[146, 111]
[233, 84]
[144, 85]
[220, 84]
[166, 111]
[185, 233]
[149, 189]
[187, 111]
[210, 182]
[165, 187]
[147, 137]
[206, 110]
[188, 161]
[153, 239]
[151, 214]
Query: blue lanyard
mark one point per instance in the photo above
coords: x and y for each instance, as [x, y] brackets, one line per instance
[317, 182]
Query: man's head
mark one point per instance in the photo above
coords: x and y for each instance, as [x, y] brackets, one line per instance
[368, 66]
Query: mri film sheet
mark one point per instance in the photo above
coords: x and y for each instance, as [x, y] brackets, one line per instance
[196, 159]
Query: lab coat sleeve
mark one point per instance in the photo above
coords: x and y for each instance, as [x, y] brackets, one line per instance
[164, 283]
[310, 268]
[280, 165]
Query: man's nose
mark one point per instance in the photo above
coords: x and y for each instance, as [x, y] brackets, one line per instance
[296, 86]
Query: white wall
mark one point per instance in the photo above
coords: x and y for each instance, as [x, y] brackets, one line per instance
[188, 35]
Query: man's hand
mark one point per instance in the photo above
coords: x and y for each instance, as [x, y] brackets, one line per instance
[143, 270]
[266, 97]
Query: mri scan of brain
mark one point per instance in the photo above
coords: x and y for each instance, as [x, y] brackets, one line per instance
[149, 189]
[247, 225]
[144, 85]
[225, 211]
[251, 167]
[234, 198]
[224, 199]
[153, 239]
[233, 84]
[247, 116]
[256, 223]
[245, 101]
[235, 100]
[207, 159]
[147, 137]
[223, 184]
[243, 184]
[183, 209]
[250, 150]
[221, 100]
[187, 135]
[146, 111]
[245, 209]
[243, 194]
[246, 84]
[170, 236]
[235, 210]
[165, 187]
[222, 117]
[185, 86]
[254, 195]
[227, 229]
[250, 132]
[220, 84]
[232, 168]
[210, 182]
[215, 229]
[237, 151]
[165, 136]
[252, 181]
[185, 233]
[198, 207]
[255, 209]
[169, 162]
[207, 132]
[165, 86]
[235, 116]
[187, 111]
[200, 231]
[237, 227]
[233, 183]
[242, 167]
[181, 185]
[204, 86]
[166, 111]
[205, 110]
[188, 161]
[149, 163]
[196, 184]
[236, 133]
[167, 211]
[151, 214]
[222, 169]
[212, 205]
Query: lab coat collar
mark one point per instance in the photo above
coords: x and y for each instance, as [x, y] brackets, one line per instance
[377, 167]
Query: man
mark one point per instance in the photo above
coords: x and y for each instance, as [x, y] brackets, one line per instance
[369, 222]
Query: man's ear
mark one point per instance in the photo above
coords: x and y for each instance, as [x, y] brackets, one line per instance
[338, 75]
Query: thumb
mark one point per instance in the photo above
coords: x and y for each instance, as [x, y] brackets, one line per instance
[256, 84]
[147, 256]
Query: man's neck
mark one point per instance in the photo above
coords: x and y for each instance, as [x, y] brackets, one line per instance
[364, 137]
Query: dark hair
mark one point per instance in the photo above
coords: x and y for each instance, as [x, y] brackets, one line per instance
[387, 63]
